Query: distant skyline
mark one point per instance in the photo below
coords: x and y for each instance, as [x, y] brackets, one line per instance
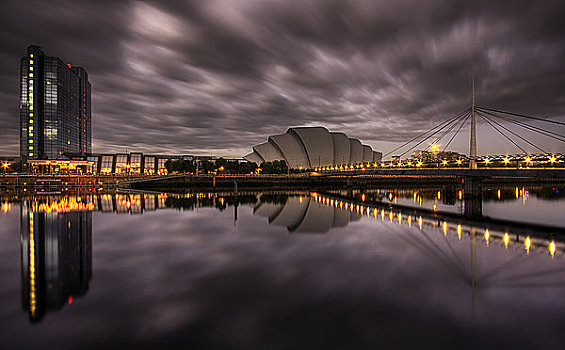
[219, 76]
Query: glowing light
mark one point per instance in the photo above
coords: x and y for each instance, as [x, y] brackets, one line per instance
[460, 194]
[552, 159]
[459, 231]
[69, 65]
[487, 236]
[70, 301]
[528, 244]
[552, 248]
[506, 161]
[434, 147]
[439, 195]
[32, 288]
[420, 222]
[409, 221]
[444, 227]
[506, 239]
[363, 197]
[444, 162]
[487, 161]
[459, 161]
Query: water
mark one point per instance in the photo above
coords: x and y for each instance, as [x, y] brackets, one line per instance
[392, 267]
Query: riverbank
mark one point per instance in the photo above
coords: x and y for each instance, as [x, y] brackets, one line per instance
[192, 183]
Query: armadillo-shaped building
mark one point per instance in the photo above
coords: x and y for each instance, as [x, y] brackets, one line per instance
[312, 147]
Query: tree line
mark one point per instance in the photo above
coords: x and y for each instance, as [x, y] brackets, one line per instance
[224, 166]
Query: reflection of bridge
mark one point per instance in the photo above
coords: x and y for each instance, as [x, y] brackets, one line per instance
[507, 231]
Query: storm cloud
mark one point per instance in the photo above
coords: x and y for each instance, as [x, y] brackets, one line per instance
[218, 76]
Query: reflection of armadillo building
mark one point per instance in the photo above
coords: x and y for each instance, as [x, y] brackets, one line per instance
[56, 255]
[304, 214]
[311, 147]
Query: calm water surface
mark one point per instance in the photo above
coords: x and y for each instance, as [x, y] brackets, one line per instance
[274, 270]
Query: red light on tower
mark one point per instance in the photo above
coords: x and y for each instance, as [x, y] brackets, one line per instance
[70, 301]
[69, 65]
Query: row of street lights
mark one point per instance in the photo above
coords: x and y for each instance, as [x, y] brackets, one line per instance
[528, 161]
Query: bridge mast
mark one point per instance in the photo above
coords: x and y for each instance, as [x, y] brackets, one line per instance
[473, 144]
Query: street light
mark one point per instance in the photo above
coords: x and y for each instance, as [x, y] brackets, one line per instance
[5, 166]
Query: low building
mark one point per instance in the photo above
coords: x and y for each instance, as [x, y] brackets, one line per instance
[428, 156]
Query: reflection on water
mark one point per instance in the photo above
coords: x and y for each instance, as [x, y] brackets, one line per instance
[56, 252]
[396, 245]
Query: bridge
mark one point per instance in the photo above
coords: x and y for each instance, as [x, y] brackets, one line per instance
[436, 160]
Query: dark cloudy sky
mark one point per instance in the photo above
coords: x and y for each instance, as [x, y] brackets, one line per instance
[218, 76]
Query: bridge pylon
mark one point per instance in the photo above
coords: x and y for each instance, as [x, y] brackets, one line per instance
[473, 141]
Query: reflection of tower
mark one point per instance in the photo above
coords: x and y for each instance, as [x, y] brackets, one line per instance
[56, 257]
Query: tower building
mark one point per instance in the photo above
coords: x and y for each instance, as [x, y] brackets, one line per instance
[55, 116]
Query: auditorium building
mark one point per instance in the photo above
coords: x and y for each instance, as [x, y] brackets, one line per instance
[313, 147]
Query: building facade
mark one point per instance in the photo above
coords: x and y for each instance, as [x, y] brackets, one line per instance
[55, 107]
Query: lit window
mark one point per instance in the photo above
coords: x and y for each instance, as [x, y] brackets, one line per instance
[30, 61]
[31, 75]
[68, 142]
[31, 148]
[31, 154]
[31, 88]
[30, 55]
[30, 141]
[31, 108]
[31, 114]
[30, 128]
[31, 68]
[31, 121]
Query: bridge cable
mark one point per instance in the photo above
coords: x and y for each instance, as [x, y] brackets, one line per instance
[503, 134]
[523, 116]
[533, 128]
[443, 127]
[436, 141]
[425, 133]
[515, 134]
[462, 118]
[457, 132]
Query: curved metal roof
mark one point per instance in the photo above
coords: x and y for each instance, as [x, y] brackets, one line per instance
[254, 157]
[292, 149]
[310, 147]
[367, 154]
[268, 152]
[342, 148]
[356, 153]
[318, 144]
[377, 156]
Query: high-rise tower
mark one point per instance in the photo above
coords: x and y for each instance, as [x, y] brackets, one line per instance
[55, 117]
